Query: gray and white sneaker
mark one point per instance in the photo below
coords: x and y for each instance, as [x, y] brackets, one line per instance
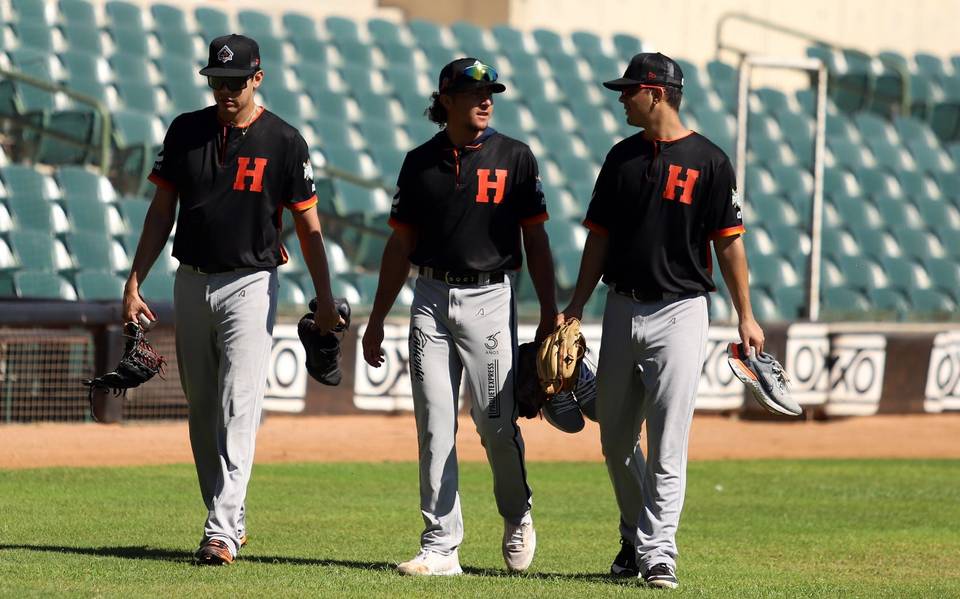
[765, 378]
[519, 544]
[431, 563]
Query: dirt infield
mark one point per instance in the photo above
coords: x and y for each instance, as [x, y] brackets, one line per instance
[393, 438]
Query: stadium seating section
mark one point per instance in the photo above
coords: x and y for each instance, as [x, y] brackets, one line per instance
[357, 90]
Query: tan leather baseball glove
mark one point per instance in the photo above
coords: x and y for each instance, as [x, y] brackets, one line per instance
[559, 357]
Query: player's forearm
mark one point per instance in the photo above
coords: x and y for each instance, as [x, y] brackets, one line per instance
[591, 268]
[394, 268]
[315, 255]
[540, 264]
[732, 258]
[156, 231]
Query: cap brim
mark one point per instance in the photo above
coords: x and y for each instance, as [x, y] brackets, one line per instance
[620, 84]
[496, 87]
[223, 72]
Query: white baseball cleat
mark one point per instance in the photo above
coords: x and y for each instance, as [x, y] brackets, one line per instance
[431, 563]
[519, 544]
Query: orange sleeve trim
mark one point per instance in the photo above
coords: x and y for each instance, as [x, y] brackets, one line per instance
[535, 220]
[161, 182]
[595, 227]
[396, 224]
[304, 205]
[728, 232]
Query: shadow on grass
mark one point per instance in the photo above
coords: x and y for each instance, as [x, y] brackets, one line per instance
[170, 555]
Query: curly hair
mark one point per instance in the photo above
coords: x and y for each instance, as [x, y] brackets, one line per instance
[436, 112]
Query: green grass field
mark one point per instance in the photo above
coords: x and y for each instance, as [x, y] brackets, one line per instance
[750, 529]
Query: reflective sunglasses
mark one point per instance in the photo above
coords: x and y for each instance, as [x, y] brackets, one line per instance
[481, 72]
[234, 84]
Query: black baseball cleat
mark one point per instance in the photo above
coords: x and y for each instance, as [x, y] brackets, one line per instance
[625, 564]
[661, 576]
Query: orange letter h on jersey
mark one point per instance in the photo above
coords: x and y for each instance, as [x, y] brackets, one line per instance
[484, 184]
[674, 181]
[255, 173]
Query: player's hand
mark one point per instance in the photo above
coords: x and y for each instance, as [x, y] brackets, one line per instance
[327, 318]
[571, 311]
[751, 334]
[135, 309]
[548, 321]
[372, 342]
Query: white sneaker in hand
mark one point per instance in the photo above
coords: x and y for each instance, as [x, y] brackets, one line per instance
[519, 544]
[431, 563]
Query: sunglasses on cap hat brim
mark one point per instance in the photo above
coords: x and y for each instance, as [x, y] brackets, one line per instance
[475, 76]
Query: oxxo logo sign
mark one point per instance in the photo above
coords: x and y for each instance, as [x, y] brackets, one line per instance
[807, 363]
[943, 374]
[287, 375]
[856, 374]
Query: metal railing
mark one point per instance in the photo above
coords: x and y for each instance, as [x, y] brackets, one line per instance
[106, 130]
[903, 73]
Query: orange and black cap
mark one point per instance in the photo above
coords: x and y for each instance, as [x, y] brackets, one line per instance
[649, 68]
[465, 74]
[232, 56]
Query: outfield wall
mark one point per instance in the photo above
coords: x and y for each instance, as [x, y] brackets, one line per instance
[836, 369]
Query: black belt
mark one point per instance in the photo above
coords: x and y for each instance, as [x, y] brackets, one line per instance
[647, 296]
[216, 270]
[463, 277]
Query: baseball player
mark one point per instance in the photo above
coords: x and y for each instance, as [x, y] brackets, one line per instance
[465, 200]
[662, 196]
[232, 167]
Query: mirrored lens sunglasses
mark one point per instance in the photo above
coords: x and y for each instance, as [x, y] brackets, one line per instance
[234, 84]
[481, 72]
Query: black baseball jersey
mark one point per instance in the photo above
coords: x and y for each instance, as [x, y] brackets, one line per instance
[232, 185]
[661, 203]
[467, 204]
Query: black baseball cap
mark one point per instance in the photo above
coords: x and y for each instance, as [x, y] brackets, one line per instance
[649, 68]
[232, 56]
[468, 73]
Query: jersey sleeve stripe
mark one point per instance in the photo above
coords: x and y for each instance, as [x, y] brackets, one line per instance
[728, 232]
[535, 219]
[304, 205]
[161, 182]
[595, 227]
[397, 224]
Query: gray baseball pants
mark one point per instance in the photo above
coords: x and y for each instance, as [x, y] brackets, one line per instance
[224, 329]
[473, 329]
[651, 357]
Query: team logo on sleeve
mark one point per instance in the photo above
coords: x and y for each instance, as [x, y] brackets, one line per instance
[308, 174]
[735, 200]
[158, 165]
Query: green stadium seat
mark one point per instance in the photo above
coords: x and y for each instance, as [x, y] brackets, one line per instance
[355, 199]
[360, 80]
[332, 132]
[872, 126]
[929, 158]
[924, 94]
[770, 271]
[379, 133]
[473, 40]
[91, 215]
[388, 160]
[157, 287]
[765, 309]
[890, 156]
[26, 182]
[898, 212]
[944, 273]
[286, 105]
[917, 243]
[80, 125]
[567, 267]
[35, 36]
[790, 241]
[930, 65]
[134, 212]
[854, 210]
[31, 214]
[212, 23]
[29, 284]
[375, 107]
[125, 15]
[798, 131]
[549, 42]
[289, 293]
[133, 128]
[139, 96]
[506, 115]
[187, 98]
[343, 158]
[180, 44]
[421, 130]
[437, 58]
[509, 39]
[770, 208]
[98, 286]
[36, 11]
[312, 53]
[96, 251]
[77, 12]
[80, 182]
[937, 211]
[342, 29]
[873, 242]
[792, 178]
[179, 71]
[904, 273]
[949, 184]
[838, 179]
[167, 17]
[843, 302]
[341, 286]
[860, 272]
[271, 51]
[945, 121]
[83, 38]
[427, 34]
[34, 250]
[932, 302]
[80, 65]
[759, 179]
[888, 299]
[837, 242]
[400, 72]
[385, 32]
[256, 24]
[587, 43]
[791, 301]
[299, 27]
[772, 100]
[133, 41]
[877, 182]
[627, 46]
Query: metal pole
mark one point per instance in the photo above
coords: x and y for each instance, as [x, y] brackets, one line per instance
[743, 113]
[816, 206]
